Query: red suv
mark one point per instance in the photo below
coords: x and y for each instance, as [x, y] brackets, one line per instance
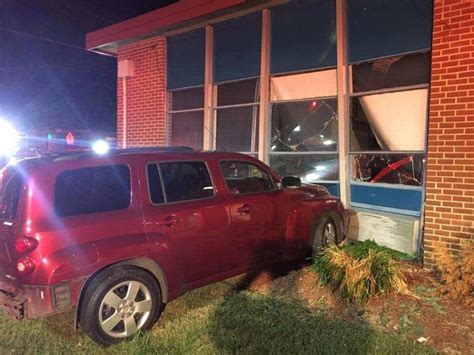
[121, 235]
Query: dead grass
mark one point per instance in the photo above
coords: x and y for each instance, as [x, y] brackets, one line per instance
[457, 274]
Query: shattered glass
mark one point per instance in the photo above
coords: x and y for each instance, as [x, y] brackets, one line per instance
[404, 169]
[309, 167]
[304, 126]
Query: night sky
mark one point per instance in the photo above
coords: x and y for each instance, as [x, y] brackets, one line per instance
[45, 85]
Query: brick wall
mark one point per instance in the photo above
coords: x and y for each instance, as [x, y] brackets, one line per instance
[449, 218]
[146, 94]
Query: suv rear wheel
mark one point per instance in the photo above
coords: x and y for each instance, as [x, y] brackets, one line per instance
[118, 303]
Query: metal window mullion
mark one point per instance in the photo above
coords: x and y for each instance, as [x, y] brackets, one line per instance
[208, 133]
[264, 109]
[319, 152]
[236, 105]
[186, 110]
[390, 90]
[343, 94]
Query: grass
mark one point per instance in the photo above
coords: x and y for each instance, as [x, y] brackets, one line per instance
[218, 320]
[361, 249]
[359, 272]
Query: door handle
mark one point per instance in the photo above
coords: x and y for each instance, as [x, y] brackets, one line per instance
[245, 209]
[169, 221]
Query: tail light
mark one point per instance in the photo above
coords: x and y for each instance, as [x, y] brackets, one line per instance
[24, 245]
[24, 266]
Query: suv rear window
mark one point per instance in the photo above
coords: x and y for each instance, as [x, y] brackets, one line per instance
[188, 180]
[92, 190]
[10, 195]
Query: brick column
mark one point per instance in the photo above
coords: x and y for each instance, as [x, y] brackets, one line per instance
[449, 217]
[146, 94]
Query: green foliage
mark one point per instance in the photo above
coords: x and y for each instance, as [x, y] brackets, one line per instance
[359, 273]
[361, 249]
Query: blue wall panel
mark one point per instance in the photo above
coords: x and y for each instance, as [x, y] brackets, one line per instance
[237, 48]
[380, 28]
[186, 59]
[401, 199]
[303, 35]
[332, 188]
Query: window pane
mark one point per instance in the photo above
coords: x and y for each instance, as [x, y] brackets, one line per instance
[186, 181]
[240, 92]
[303, 35]
[389, 121]
[237, 48]
[187, 99]
[92, 190]
[392, 72]
[185, 54]
[187, 129]
[237, 129]
[388, 168]
[310, 168]
[154, 184]
[381, 28]
[243, 178]
[304, 126]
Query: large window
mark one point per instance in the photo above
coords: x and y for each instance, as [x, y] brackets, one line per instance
[10, 193]
[237, 116]
[92, 190]
[186, 117]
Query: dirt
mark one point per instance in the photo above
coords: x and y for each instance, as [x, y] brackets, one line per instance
[424, 314]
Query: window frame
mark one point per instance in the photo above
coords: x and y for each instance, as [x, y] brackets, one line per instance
[352, 153]
[220, 161]
[130, 201]
[165, 197]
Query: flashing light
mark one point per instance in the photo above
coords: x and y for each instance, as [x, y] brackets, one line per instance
[70, 138]
[100, 147]
[8, 138]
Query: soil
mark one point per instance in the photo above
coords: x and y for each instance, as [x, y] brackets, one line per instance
[424, 314]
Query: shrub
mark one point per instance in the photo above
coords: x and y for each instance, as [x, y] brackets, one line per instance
[457, 274]
[360, 276]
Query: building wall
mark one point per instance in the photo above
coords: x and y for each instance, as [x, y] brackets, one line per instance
[146, 94]
[449, 221]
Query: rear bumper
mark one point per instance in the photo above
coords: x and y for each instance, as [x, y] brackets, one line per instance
[12, 301]
[33, 301]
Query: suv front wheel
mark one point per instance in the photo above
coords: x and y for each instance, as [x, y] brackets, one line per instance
[118, 303]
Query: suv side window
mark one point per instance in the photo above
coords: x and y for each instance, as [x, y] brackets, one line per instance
[187, 180]
[245, 178]
[92, 190]
[155, 187]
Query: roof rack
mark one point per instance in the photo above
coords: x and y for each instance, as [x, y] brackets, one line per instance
[176, 149]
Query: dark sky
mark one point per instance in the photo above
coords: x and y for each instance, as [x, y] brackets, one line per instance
[45, 85]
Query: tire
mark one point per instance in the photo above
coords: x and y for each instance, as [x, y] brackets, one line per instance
[327, 230]
[118, 303]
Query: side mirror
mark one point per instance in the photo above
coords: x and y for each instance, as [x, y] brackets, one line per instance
[290, 181]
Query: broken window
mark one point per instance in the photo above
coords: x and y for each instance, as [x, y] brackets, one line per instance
[403, 169]
[304, 126]
[311, 168]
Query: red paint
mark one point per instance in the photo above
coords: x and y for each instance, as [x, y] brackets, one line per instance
[70, 138]
[194, 243]
[155, 20]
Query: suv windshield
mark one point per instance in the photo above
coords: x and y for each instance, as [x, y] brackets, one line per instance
[10, 195]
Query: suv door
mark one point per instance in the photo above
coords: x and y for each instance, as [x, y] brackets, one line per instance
[184, 209]
[251, 203]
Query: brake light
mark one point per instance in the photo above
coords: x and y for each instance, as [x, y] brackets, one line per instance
[24, 245]
[24, 266]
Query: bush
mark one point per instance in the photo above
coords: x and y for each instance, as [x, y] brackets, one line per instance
[457, 274]
[359, 276]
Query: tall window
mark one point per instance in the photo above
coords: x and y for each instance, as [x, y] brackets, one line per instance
[185, 77]
[389, 45]
[304, 122]
[237, 47]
